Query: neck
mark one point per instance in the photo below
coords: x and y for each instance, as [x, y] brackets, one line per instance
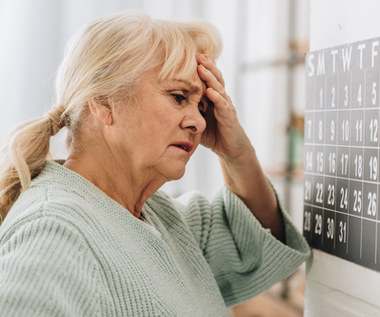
[128, 186]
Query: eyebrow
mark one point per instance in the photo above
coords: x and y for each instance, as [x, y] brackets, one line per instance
[191, 88]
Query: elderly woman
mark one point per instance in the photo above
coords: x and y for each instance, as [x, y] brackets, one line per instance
[92, 235]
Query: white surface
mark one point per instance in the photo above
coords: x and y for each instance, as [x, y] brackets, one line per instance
[322, 301]
[348, 278]
[343, 21]
[33, 35]
[336, 287]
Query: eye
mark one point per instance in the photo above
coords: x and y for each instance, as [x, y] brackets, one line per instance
[202, 109]
[178, 98]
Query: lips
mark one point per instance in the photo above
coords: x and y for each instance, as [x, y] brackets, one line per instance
[184, 146]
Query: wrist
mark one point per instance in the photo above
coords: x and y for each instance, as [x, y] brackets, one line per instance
[242, 158]
[239, 172]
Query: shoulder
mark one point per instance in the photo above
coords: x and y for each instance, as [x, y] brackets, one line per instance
[44, 200]
[46, 234]
[48, 228]
[46, 208]
[44, 257]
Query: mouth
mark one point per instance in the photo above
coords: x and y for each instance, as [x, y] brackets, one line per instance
[187, 147]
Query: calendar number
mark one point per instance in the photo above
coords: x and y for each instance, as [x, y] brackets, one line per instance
[309, 161]
[359, 130]
[331, 195]
[318, 224]
[342, 231]
[330, 228]
[345, 130]
[373, 168]
[332, 163]
[320, 130]
[309, 129]
[374, 93]
[307, 222]
[358, 166]
[345, 101]
[320, 162]
[373, 127]
[344, 164]
[359, 99]
[357, 207]
[371, 211]
[319, 194]
[343, 200]
[332, 130]
[307, 195]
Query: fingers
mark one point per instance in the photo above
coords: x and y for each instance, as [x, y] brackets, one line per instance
[220, 102]
[212, 76]
[209, 63]
[210, 79]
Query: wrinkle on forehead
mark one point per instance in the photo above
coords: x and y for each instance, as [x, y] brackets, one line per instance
[193, 84]
[198, 87]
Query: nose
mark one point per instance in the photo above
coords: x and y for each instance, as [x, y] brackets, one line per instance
[194, 121]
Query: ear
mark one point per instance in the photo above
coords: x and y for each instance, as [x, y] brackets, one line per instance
[101, 110]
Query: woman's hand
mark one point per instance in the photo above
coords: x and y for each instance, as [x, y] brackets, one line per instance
[225, 136]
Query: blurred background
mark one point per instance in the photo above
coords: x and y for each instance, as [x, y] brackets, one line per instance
[265, 42]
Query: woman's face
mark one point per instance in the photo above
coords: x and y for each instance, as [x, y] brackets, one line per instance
[157, 134]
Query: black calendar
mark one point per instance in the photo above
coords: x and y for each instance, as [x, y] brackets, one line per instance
[341, 153]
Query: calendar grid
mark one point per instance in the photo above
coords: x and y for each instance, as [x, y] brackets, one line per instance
[340, 212]
[361, 219]
[342, 149]
[342, 178]
[346, 146]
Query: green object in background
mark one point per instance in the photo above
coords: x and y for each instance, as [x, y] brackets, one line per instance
[296, 135]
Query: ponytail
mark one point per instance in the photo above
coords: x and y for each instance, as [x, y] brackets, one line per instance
[23, 158]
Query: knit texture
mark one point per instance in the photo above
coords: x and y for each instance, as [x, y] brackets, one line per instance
[67, 249]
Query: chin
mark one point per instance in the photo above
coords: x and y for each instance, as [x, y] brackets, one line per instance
[178, 175]
[174, 173]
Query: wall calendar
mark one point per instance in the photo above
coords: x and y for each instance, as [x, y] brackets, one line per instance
[341, 152]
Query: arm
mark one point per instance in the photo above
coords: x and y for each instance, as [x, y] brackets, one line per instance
[244, 257]
[242, 172]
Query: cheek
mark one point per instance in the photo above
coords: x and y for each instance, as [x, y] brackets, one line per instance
[166, 119]
[197, 141]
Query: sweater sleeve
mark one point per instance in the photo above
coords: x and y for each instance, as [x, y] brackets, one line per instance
[245, 258]
[46, 269]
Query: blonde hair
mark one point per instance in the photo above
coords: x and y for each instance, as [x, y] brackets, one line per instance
[106, 59]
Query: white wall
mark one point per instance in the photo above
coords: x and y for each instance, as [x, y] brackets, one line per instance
[33, 35]
[336, 287]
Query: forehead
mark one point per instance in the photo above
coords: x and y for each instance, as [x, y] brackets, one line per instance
[192, 83]
[194, 86]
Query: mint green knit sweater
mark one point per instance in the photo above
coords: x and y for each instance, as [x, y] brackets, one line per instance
[67, 249]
